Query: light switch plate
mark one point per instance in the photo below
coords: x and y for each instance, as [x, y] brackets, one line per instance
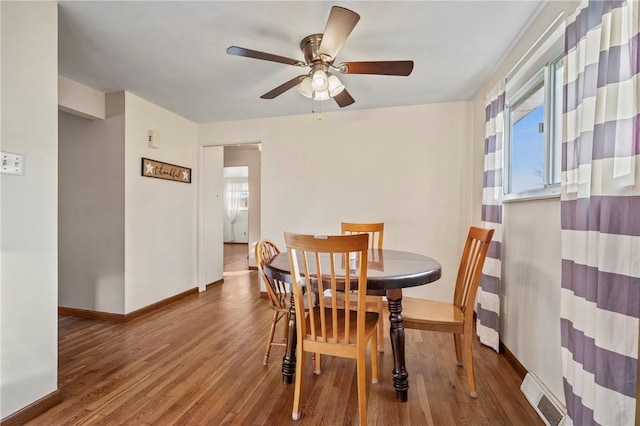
[12, 164]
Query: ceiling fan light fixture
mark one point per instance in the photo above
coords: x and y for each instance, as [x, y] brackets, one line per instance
[335, 86]
[320, 50]
[321, 95]
[305, 88]
[319, 81]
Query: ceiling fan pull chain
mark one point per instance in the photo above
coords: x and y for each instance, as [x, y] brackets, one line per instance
[318, 111]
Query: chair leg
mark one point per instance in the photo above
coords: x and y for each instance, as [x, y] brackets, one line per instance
[299, 383]
[457, 343]
[380, 325]
[272, 331]
[374, 359]
[362, 384]
[468, 364]
[316, 364]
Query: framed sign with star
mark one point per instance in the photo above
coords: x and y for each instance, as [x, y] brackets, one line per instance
[161, 170]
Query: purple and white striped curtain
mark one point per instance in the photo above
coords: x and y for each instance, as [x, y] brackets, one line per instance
[600, 208]
[488, 307]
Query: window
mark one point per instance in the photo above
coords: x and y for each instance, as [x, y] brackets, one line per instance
[533, 122]
[244, 196]
[534, 133]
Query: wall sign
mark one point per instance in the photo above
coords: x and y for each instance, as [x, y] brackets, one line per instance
[160, 170]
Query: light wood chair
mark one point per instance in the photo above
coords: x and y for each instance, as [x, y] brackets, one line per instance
[456, 317]
[279, 299]
[329, 328]
[376, 235]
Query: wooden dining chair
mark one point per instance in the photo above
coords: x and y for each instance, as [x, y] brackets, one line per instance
[279, 299]
[456, 317]
[324, 263]
[376, 235]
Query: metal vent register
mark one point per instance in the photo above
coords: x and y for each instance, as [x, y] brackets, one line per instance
[548, 408]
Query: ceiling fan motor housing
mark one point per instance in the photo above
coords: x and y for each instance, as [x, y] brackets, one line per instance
[310, 46]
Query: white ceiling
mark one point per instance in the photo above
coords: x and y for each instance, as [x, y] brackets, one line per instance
[173, 53]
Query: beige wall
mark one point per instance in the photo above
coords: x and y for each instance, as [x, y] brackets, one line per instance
[28, 277]
[531, 288]
[372, 165]
[91, 210]
[160, 215]
[126, 241]
[531, 269]
[81, 100]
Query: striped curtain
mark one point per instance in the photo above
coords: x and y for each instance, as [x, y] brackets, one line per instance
[600, 212]
[488, 309]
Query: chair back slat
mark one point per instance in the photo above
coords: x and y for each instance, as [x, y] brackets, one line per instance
[375, 231]
[264, 251]
[470, 271]
[320, 264]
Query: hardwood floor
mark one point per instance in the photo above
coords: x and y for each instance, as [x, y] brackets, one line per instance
[235, 257]
[198, 361]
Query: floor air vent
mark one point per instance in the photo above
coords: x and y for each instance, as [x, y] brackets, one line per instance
[548, 408]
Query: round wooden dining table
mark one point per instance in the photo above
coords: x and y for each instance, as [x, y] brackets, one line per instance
[388, 272]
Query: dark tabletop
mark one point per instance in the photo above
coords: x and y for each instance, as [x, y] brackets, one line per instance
[388, 269]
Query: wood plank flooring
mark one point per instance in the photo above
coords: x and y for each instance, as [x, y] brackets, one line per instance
[198, 361]
[235, 257]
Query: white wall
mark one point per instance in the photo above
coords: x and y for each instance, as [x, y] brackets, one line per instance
[29, 285]
[531, 269]
[249, 155]
[160, 215]
[91, 210]
[371, 165]
[80, 100]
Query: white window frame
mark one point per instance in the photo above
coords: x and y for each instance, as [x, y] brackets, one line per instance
[537, 65]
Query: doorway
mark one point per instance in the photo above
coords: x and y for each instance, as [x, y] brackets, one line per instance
[236, 204]
[241, 175]
[236, 218]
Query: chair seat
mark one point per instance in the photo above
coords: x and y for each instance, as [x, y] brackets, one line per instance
[431, 315]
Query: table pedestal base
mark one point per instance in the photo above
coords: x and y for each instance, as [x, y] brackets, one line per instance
[289, 359]
[396, 330]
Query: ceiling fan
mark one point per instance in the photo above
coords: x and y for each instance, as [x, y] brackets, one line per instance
[320, 51]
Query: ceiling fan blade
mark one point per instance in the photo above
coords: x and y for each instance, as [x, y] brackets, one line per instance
[403, 68]
[343, 99]
[339, 25]
[248, 53]
[283, 87]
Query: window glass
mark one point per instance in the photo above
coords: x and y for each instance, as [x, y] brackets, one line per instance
[527, 141]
